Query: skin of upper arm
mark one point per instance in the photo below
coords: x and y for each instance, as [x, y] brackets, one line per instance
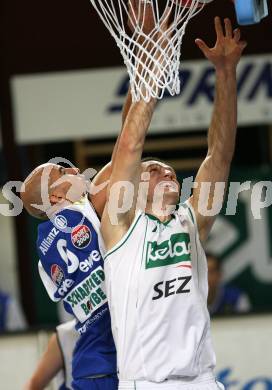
[209, 172]
[114, 224]
[126, 172]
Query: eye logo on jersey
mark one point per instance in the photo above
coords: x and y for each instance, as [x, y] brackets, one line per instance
[57, 275]
[172, 251]
[81, 236]
[60, 222]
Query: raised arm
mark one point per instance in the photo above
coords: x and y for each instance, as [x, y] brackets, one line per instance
[139, 14]
[127, 162]
[126, 170]
[100, 182]
[225, 56]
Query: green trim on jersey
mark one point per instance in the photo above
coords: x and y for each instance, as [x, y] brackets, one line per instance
[191, 215]
[157, 219]
[196, 234]
[186, 205]
[143, 244]
[124, 238]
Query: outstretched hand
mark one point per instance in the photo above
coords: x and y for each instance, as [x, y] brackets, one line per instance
[140, 15]
[228, 47]
[142, 18]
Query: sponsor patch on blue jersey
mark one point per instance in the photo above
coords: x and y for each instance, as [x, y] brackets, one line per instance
[60, 222]
[57, 274]
[81, 236]
[71, 268]
[69, 254]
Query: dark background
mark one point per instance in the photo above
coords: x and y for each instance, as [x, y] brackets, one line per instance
[55, 35]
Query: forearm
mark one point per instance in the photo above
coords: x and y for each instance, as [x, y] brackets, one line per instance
[37, 383]
[126, 106]
[222, 132]
[128, 157]
[49, 365]
[137, 124]
[125, 111]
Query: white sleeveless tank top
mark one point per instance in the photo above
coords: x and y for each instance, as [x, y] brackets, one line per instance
[156, 280]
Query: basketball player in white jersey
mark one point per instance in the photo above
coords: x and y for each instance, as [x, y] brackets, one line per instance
[156, 271]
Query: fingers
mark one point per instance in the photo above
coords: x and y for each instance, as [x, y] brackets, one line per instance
[218, 27]
[202, 46]
[229, 33]
[133, 12]
[237, 35]
[228, 28]
[165, 18]
[243, 45]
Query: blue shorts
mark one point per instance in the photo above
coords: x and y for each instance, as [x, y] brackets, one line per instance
[109, 382]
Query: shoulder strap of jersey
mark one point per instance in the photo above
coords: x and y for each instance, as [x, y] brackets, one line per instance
[136, 219]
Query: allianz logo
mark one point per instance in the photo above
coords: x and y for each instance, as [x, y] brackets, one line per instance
[47, 242]
[174, 250]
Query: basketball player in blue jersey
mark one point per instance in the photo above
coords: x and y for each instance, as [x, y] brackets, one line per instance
[71, 261]
[71, 266]
[155, 266]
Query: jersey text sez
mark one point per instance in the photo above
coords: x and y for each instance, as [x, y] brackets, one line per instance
[171, 287]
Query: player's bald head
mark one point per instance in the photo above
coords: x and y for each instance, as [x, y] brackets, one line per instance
[31, 193]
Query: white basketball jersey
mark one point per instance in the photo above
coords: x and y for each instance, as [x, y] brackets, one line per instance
[157, 289]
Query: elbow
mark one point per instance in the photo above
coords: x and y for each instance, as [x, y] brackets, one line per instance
[225, 158]
[131, 144]
[221, 156]
[33, 384]
[219, 161]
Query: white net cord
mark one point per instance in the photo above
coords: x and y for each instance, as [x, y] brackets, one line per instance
[149, 35]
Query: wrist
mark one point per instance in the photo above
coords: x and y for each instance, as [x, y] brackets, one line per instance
[226, 71]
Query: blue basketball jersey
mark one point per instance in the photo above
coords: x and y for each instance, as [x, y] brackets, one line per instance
[229, 300]
[71, 268]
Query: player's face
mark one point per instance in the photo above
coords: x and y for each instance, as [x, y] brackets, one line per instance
[66, 184]
[163, 180]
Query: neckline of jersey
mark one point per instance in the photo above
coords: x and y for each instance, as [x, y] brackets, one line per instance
[157, 219]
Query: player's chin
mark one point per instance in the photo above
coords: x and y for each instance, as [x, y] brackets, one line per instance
[171, 197]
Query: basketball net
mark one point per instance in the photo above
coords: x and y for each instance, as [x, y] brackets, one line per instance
[149, 36]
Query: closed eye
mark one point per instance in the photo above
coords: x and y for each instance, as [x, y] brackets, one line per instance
[61, 170]
[153, 168]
